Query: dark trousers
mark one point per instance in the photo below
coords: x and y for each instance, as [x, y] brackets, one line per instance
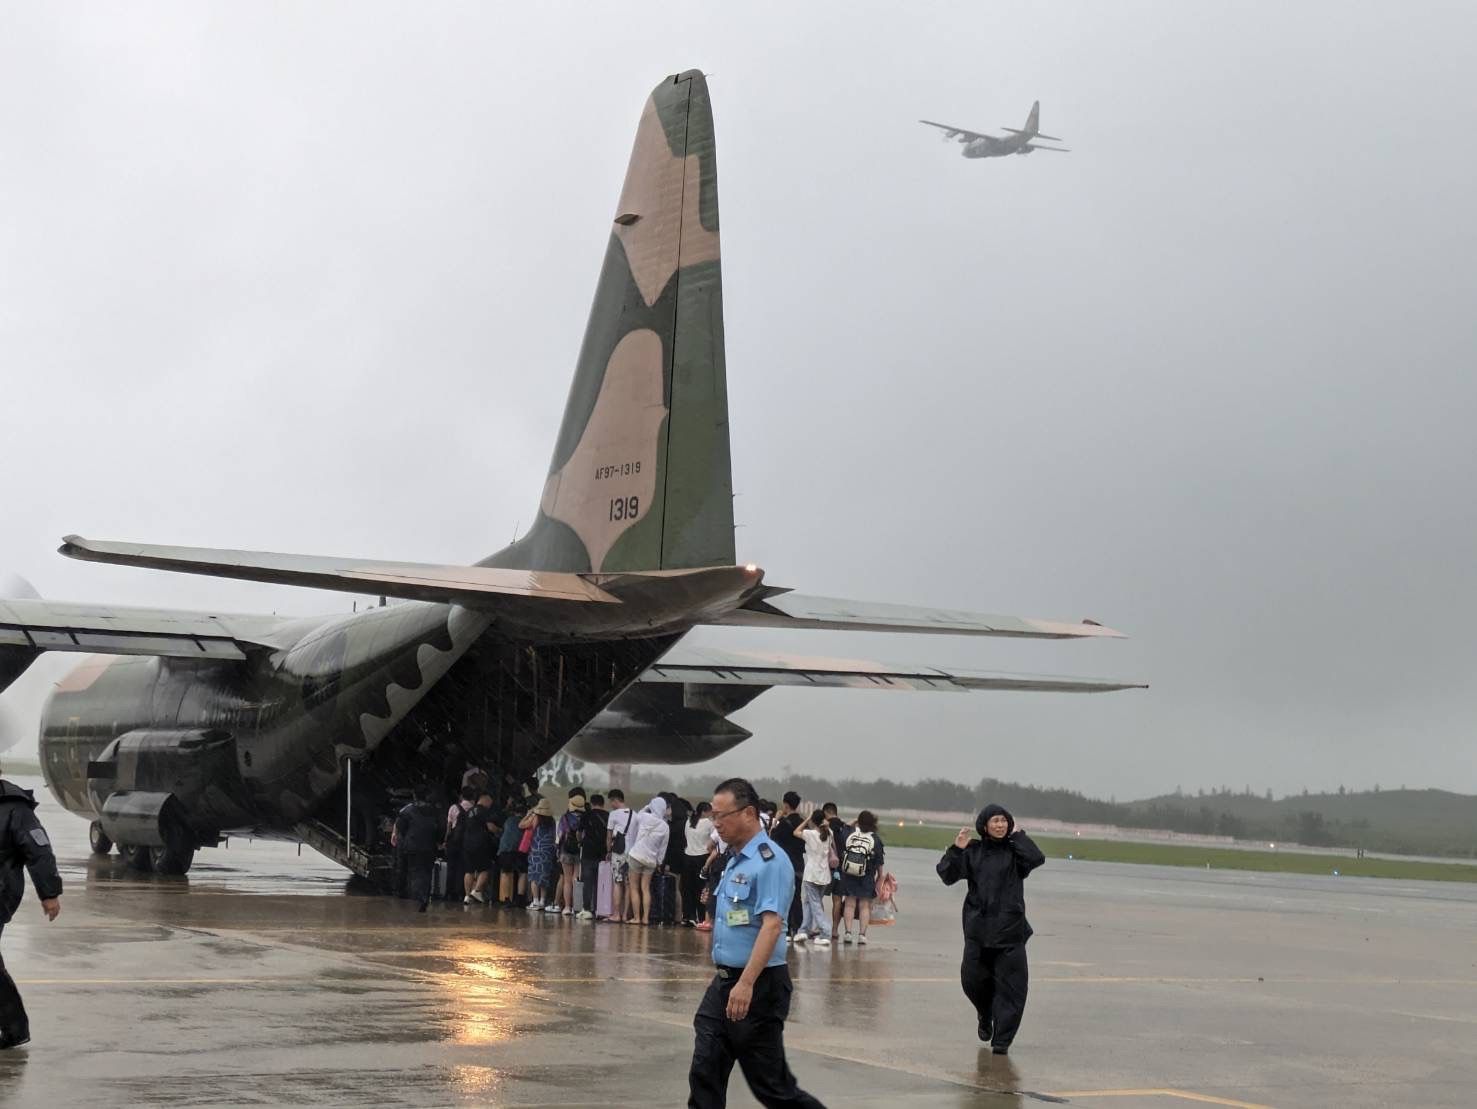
[455, 873]
[14, 1024]
[418, 874]
[797, 903]
[692, 887]
[995, 980]
[589, 883]
[756, 1043]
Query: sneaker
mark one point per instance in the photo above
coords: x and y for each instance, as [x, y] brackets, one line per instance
[823, 942]
[846, 938]
[467, 900]
[585, 914]
[551, 908]
[7, 1043]
[535, 906]
[569, 912]
[799, 939]
[862, 938]
[1001, 1049]
[479, 896]
[986, 1030]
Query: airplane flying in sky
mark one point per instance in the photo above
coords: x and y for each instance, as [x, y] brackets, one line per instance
[181, 727]
[977, 145]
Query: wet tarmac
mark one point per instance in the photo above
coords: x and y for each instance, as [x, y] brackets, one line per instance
[263, 979]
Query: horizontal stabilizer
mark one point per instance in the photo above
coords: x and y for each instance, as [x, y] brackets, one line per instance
[711, 667]
[472, 586]
[794, 610]
[121, 630]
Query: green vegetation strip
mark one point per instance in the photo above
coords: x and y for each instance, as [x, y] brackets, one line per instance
[1218, 858]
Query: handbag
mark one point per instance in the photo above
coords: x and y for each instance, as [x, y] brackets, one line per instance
[525, 845]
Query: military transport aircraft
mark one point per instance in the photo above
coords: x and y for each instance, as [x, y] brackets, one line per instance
[977, 145]
[180, 728]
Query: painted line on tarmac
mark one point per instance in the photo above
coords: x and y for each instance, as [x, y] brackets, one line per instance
[1182, 1095]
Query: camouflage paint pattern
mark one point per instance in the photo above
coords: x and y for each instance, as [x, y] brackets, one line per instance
[641, 474]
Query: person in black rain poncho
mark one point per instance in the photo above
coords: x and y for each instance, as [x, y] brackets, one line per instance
[994, 973]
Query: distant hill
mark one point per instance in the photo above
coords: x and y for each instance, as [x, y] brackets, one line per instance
[1405, 821]
[1393, 821]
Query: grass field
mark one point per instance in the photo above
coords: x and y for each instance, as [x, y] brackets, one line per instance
[1218, 858]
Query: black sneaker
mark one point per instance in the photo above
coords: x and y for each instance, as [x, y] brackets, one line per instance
[986, 1030]
[1001, 1049]
[8, 1042]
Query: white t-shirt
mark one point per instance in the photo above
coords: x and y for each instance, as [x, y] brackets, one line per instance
[698, 838]
[649, 847]
[620, 821]
[817, 857]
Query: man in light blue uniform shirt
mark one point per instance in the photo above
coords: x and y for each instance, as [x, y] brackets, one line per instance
[742, 1015]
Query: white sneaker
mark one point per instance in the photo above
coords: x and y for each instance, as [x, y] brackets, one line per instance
[846, 938]
[479, 896]
[823, 942]
[862, 938]
[585, 914]
[467, 900]
[535, 906]
[551, 908]
[799, 939]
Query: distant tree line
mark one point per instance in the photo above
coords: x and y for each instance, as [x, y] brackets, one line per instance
[1292, 820]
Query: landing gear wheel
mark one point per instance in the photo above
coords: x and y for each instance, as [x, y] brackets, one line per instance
[101, 844]
[137, 858]
[171, 860]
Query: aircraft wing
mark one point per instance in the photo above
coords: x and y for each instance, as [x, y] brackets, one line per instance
[706, 666]
[418, 581]
[783, 609]
[954, 132]
[36, 625]
[1038, 146]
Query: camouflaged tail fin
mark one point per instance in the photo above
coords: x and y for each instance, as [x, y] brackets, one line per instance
[640, 478]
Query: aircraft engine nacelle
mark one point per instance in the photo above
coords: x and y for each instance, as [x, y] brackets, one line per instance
[666, 724]
[147, 785]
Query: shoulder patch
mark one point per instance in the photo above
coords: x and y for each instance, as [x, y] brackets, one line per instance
[766, 852]
[39, 835]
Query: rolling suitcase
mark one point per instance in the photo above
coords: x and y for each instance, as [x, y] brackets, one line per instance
[663, 899]
[604, 892]
[579, 895]
[438, 879]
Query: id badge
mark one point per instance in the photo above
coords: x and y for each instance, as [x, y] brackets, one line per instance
[736, 918]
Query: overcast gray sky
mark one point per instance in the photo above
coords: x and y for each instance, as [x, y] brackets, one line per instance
[313, 278]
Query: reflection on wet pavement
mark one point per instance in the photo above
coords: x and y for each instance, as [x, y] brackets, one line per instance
[266, 978]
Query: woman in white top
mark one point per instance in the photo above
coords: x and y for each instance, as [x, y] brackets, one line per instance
[816, 923]
[645, 853]
[698, 827]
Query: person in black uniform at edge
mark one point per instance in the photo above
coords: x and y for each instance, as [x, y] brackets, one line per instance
[785, 831]
[742, 1015]
[23, 842]
[418, 833]
[994, 973]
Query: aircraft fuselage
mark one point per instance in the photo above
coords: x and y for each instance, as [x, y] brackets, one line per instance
[260, 746]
